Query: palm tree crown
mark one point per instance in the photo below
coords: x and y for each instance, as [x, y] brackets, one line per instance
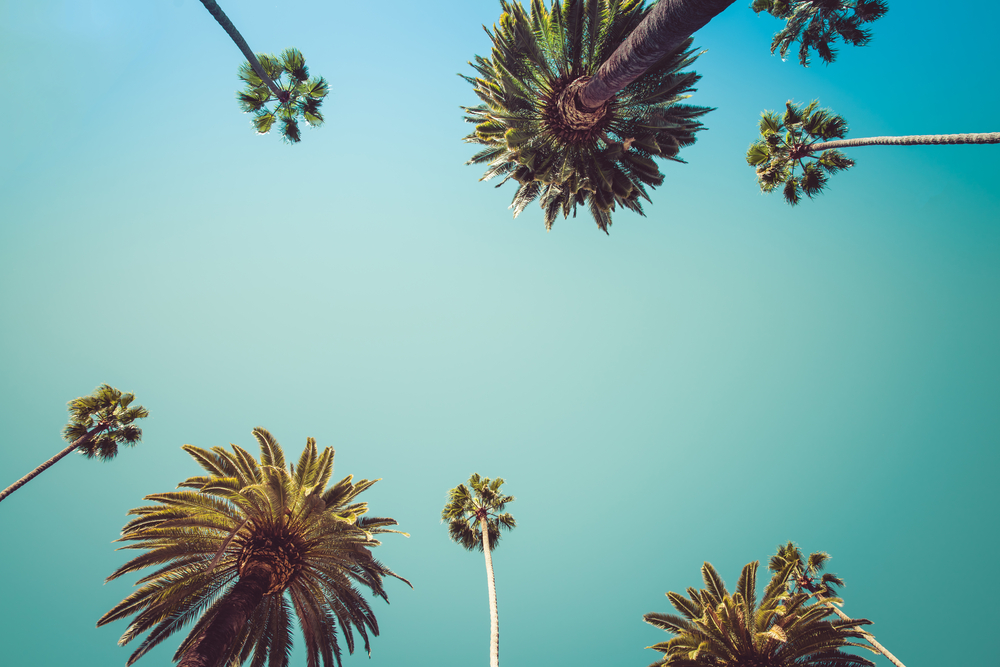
[298, 97]
[467, 509]
[535, 133]
[817, 24]
[251, 543]
[719, 629]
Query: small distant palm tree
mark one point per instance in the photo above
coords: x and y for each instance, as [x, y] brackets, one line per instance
[817, 24]
[252, 542]
[716, 629]
[298, 97]
[99, 423]
[804, 575]
[475, 518]
[801, 137]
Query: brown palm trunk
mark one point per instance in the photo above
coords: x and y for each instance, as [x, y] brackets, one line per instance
[666, 26]
[494, 620]
[236, 608]
[48, 464]
[867, 635]
[911, 140]
[227, 25]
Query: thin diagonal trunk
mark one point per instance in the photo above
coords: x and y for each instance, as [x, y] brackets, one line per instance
[867, 635]
[48, 464]
[236, 608]
[494, 620]
[666, 26]
[227, 25]
[911, 140]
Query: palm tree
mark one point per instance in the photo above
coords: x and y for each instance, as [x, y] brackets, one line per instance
[535, 132]
[817, 24]
[801, 138]
[252, 542]
[804, 575]
[98, 424]
[474, 520]
[716, 629]
[298, 97]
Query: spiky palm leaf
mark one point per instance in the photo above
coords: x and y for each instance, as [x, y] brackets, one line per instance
[716, 629]
[563, 156]
[99, 423]
[251, 543]
[818, 24]
[298, 98]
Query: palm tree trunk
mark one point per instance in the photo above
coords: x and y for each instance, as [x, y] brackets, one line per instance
[911, 140]
[494, 620]
[48, 464]
[666, 26]
[867, 635]
[229, 620]
[227, 25]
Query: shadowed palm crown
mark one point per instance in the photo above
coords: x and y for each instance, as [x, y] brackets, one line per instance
[817, 24]
[109, 415]
[466, 509]
[787, 141]
[299, 97]
[558, 153]
[805, 572]
[255, 525]
[716, 629]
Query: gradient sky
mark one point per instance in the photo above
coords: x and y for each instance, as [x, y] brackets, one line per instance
[707, 382]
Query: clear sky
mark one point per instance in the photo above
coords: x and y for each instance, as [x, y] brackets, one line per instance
[707, 382]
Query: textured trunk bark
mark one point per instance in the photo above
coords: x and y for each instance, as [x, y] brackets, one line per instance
[911, 140]
[220, 634]
[867, 635]
[48, 464]
[494, 620]
[227, 25]
[666, 26]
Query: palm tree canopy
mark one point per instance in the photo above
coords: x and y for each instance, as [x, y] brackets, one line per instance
[468, 505]
[806, 572]
[719, 629]
[314, 540]
[299, 96]
[112, 414]
[535, 134]
[817, 24]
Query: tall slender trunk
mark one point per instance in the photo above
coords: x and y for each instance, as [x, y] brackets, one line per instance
[867, 635]
[666, 26]
[48, 464]
[911, 140]
[494, 620]
[227, 25]
[236, 608]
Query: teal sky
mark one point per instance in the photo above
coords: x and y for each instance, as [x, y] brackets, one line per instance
[707, 382]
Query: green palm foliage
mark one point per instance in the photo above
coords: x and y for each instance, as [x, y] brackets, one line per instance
[535, 134]
[787, 141]
[99, 423]
[818, 24]
[243, 548]
[298, 98]
[719, 629]
[468, 506]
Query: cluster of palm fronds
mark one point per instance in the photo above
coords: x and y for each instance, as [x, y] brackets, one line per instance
[786, 628]
[787, 141]
[299, 96]
[108, 416]
[535, 58]
[817, 24]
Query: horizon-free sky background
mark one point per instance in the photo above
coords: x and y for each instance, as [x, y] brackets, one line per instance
[707, 382]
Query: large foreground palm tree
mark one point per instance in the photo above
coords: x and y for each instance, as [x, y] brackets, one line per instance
[297, 97]
[798, 150]
[578, 98]
[475, 518]
[99, 423]
[253, 542]
[719, 629]
[804, 575]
